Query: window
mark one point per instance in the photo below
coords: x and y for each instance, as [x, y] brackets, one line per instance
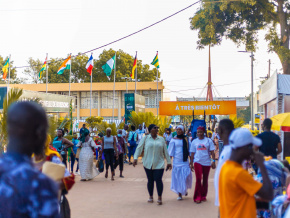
[86, 100]
[107, 99]
[151, 99]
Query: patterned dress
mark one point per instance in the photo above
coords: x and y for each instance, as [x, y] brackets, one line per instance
[24, 190]
[86, 160]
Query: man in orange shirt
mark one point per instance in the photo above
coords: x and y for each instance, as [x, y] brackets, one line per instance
[236, 186]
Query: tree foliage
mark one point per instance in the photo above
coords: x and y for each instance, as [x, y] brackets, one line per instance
[238, 122]
[93, 121]
[240, 21]
[124, 65]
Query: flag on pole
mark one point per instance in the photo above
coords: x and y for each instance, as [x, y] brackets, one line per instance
[42, 69]
[155, 61]
[109, 66]
[90, 65]
[65, 65]
[5, 69]
[134, 68]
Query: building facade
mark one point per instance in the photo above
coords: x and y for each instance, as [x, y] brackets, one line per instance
[102, 96]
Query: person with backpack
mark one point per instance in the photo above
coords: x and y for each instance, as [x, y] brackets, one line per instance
[121, 148]
[61, 144]
[132, 143]
[202, 148]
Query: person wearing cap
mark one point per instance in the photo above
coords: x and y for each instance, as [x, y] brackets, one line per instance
[236, 186]
[202, 149]
[181, 177]
[155, 151]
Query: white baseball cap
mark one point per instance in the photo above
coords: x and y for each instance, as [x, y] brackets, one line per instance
[241, 137]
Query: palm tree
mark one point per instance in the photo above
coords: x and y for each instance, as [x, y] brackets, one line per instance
[238, 122]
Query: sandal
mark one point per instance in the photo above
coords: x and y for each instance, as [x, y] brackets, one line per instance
[150, 200]
[197, 202]
[159, 202]
[83, 180]
[112, 179]
[106, 175]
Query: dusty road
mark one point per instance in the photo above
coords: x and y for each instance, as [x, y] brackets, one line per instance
[127, 197]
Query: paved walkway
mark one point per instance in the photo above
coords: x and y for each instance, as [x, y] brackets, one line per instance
[127, 197]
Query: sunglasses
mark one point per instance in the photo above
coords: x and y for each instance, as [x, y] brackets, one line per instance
[155, 127]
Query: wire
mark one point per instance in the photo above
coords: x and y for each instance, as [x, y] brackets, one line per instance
[124, 37]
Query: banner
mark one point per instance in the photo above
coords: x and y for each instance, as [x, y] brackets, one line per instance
[173, 108]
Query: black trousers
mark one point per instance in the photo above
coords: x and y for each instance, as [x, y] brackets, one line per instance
[119, 162]
[64, 159]
[154, 175]
[109, 158]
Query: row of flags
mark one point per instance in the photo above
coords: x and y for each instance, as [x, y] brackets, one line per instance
[107, 68]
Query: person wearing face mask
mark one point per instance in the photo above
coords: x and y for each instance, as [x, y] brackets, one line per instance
[121, 148]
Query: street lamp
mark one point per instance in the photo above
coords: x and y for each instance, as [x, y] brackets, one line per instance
[252, 87]
[126, 78]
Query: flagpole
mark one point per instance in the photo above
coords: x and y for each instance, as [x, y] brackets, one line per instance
[46, 72]
[157, 91]
[136, 74]
[70, 75]
[91, 90]
[8, 78]
[114, 84]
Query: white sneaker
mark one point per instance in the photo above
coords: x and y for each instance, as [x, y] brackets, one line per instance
[179, 198]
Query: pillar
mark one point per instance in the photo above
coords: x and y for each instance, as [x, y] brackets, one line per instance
[99, 103]
[78, 105]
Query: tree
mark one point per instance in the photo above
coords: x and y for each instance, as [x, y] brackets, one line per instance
[244, 114]
[238, 122]
[240, 21]
[13, 74]
[124, 64]
[93, 121]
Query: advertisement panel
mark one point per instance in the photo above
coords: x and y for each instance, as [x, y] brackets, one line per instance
[133, 102]
[3, 94]
[268, 90]
[173, 108]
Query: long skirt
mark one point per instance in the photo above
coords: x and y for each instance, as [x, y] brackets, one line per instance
[86, 164]
[181, 177]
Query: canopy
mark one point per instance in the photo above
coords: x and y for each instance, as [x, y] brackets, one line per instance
[281, 122]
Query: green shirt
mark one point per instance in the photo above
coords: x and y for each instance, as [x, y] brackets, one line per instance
[155, 151]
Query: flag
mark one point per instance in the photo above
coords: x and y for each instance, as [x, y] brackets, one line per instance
[134, 68]
[155, 61]
[109, 66]
[65, 65]
[90, 65]
[42, 69]
[5, 69]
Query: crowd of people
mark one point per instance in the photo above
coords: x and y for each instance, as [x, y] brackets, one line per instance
[249, 179]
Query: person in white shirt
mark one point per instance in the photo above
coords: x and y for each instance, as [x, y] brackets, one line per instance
[215, 135]
[225, 128]
[202, 149]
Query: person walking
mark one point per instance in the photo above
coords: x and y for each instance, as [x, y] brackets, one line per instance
[168, 136]
[236, 186]
[82, 129]
[25, 191]
[132, 143]
[88, 170]
[108, 148]
[155, 151]
[181, 177]
[124, 135]
[121, 148]
[225, 128]
[202, 149]
[61, 144]
[75, 141]
[271, 143]
[140, 131]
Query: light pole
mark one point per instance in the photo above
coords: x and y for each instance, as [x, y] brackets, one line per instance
[252, 87]
[126, 78]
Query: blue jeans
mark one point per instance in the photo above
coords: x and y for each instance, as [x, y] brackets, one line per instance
[131, 151]
[73, 159]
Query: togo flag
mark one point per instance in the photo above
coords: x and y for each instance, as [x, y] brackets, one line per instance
[65, 65]
[109, 66]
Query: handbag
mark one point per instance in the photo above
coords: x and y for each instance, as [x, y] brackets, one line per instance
[64, 207]
[101, 165]
[78, 153]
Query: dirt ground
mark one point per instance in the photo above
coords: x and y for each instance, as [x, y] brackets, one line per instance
[127, 197]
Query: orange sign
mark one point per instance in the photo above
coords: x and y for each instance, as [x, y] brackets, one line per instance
[171, 108]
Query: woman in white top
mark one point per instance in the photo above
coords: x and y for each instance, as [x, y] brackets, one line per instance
[202, 148]
[88, 170]
[181, 177]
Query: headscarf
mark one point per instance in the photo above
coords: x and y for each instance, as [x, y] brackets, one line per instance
[85, 133]
[201, 128]
[47, 150]
[185, 148]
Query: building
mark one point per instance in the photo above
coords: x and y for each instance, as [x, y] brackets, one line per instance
[102, 96]
[241, 102]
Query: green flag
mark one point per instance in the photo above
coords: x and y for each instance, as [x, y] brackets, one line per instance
[109, 66]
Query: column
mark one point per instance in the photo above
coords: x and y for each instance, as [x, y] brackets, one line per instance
[119, 105]
[78, 105]
[99, 103]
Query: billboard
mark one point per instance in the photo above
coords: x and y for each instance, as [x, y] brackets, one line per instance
[3, 94]
[133, 102]
[173, 108]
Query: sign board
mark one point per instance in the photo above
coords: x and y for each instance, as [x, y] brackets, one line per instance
[268, 90]
[173, 108]
[133, 102]
[3, 94]
[257, 118]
